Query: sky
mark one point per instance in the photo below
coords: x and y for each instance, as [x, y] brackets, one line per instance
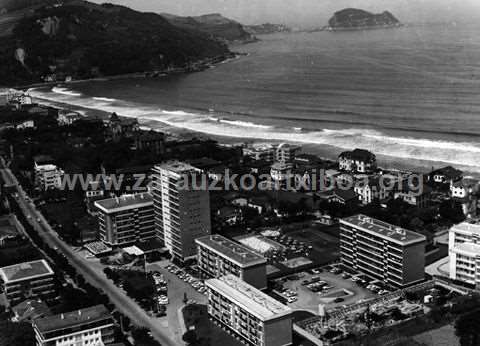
[308, 13]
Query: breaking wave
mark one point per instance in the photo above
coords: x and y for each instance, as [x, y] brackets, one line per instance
[65, 91]
[105, 99]
[463, 154]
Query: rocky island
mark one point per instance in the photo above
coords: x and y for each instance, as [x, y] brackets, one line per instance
[355, 19]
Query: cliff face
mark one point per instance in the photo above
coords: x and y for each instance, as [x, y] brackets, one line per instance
[85, 40]
[354, 19]
[214, 24]
[265, 29]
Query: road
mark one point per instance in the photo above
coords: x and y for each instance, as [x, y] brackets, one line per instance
[122, 302]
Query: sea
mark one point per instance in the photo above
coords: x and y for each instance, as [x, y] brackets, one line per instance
[411, 95]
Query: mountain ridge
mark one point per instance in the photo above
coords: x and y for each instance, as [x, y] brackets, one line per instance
[84, 40]
[213, 24]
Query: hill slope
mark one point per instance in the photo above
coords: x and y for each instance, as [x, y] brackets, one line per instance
[213, 24]
[354, 19]
[84, 40]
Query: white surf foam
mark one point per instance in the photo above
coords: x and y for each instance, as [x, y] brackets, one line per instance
[455, 153]
[244, 124]
[106, 99]
[65, 91]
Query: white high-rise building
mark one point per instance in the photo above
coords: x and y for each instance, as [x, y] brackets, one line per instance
[464, 252]
[182, 209]
[256, 318]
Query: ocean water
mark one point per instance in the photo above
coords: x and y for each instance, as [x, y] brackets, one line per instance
[411, 95]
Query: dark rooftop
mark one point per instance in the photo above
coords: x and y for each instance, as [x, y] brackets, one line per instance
[43, 159]
[358, 154]
[73, 319]
[232, 250]
[150, 245]
[31, 309]
[204, 163]
[346, 195]
[449, 172]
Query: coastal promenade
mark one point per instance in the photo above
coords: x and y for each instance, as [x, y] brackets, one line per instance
[122, 302]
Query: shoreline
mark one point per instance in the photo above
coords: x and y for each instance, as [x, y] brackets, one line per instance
[324, 151]
[196, 66]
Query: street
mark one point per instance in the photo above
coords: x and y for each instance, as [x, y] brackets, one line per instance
[122, 302]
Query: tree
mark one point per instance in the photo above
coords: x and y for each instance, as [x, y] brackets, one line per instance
[451, 210]
[16, 334]
[466, 328]
[190, 337]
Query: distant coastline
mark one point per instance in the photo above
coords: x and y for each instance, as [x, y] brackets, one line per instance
[196, 67]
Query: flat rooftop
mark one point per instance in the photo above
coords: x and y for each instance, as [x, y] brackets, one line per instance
[177, 167]
[7, 227]
[25, 271]
[238, 253]
[466, 227]
[73, 319]
[384, 230]
[248, 297]
[125, 202]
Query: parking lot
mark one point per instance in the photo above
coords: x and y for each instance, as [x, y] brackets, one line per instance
[307, 289]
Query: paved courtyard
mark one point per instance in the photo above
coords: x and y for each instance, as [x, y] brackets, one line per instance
[308, 300]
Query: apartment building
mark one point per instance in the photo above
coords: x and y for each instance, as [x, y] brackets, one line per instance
[126, 219]
[286, 153]
[218, 256]
[47, 175]
[260, 153]
[93, 326]
[464, 252]
[383, 251]
[255, 317]
[27, 280]
[181, 207]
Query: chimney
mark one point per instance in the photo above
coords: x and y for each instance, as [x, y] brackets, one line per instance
[62, 316]
[79, 312]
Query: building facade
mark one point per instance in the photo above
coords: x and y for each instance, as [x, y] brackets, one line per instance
[182, 211]
[27, 280]
[126, 219]
[464, 252]
[370, 189]
[152, 141]
[255, 317]
[66, 118]
[466, 191]
[218, 256]
[260, 153]
[383, 251]
[417, 194]
[47, 175]
[285, 153]
[92, 326]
